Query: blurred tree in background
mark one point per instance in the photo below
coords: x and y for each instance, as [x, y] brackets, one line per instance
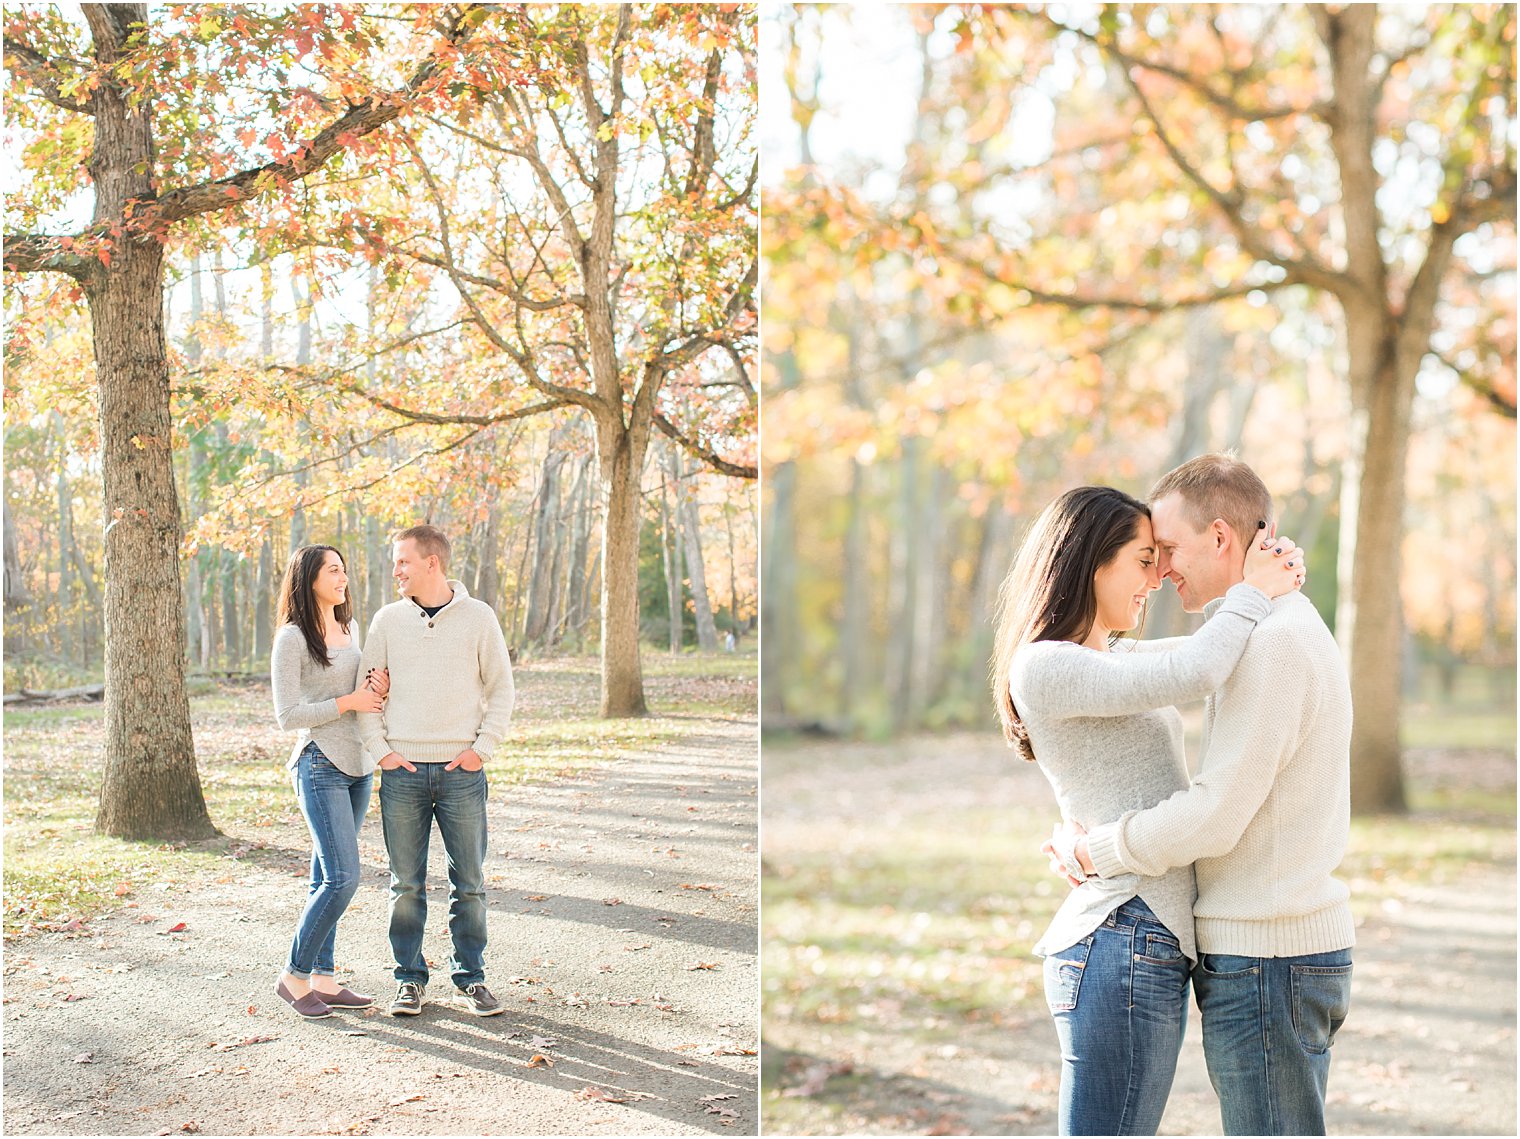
[1037, 249]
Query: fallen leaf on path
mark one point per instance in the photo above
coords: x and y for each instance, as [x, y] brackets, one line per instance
[448, 1075]
[701, 965]
[202, 1072]
[122, 889]
[700, 886]
[600, 1094]
[636, 948]
[604, 968]
[540, 1061]
[85, 1058]
[535, 897]
[253, 1010]
[75, 997]
[542, 1042]
[716, 1098]
[612, 901]
[177, 927]
[242, 1043]
[406, 1099]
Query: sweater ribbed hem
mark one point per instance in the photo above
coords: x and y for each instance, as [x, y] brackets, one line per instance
[430, 751]
[1323, 931]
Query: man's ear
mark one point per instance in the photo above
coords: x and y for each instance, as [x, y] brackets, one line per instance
[1220, 530]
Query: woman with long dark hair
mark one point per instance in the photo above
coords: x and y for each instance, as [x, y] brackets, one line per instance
[317, 689]
[1101, 725]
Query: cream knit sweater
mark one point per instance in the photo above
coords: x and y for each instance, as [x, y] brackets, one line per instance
[451, 681]
[1265, 820]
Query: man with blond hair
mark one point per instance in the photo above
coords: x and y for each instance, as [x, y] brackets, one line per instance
[1264, 822]
[450, 704]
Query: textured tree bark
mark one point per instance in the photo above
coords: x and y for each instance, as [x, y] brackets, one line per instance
[620, 453]
[150, 787]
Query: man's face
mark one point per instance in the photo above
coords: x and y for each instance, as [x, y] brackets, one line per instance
[411, 569]
[1193, 559]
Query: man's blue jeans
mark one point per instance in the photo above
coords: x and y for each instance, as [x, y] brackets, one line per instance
[1268, 1023]
[409, 802]
[334, 804]
[1119, 998]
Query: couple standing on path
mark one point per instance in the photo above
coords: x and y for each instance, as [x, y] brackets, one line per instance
[435, 701]
[1225, 879]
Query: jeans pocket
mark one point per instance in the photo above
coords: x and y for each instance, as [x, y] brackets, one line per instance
[1063, 975]
[1159, 949]
[1321, 999]
[1228, 965]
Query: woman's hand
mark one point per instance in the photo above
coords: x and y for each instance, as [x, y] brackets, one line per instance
[361, 699]
[1275, 566]
[379, 680]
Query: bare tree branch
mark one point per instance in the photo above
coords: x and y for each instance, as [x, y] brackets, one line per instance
[706, 454]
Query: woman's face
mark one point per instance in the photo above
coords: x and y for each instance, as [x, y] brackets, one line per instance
[330, 586]
[1123, 585]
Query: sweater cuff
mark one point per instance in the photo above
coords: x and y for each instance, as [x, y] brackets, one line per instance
[1248, 601]
[1103, 850]
[484, 746]
[378, 750]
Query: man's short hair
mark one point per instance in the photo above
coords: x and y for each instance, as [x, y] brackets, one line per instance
[430, 541]
[1218, 485]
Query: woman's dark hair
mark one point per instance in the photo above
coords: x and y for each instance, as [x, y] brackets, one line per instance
[1049, 594]
[298, 604]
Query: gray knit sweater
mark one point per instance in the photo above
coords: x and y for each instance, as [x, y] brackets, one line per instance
[451, 681]
[1265, 821]
[306, 698]
[1106, 735]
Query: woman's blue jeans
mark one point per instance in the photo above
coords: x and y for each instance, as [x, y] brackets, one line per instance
[334, 804]
[1119, 998]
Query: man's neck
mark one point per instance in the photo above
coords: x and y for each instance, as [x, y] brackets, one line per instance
[433, 595]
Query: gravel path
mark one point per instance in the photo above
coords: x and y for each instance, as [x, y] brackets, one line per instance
[622, 919]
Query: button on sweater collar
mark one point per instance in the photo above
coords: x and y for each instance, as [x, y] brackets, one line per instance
[460, 592]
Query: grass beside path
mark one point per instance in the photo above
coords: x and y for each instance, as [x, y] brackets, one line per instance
[58, 870]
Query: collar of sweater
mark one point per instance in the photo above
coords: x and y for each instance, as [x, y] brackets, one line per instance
[460, 594]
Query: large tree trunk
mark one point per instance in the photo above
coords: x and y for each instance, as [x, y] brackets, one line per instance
[150, 788]
[620, 457]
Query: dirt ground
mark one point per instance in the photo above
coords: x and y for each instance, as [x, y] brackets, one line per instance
[622, 923]
[1428, 1048]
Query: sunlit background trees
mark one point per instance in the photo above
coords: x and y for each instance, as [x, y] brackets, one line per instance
[1009, 251]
